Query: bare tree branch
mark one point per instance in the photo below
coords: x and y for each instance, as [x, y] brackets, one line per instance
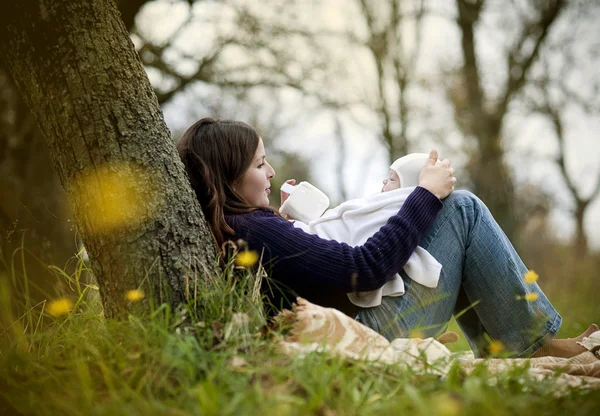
[341, 156]
[405, 72]
[554, 116]
[519, 65]
[553, 111]
[378, 45]
[255, 37]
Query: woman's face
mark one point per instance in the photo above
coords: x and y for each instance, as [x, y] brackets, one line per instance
[392, 182]
[255, 184]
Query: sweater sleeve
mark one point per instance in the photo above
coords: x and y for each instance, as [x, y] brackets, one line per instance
[298, 259]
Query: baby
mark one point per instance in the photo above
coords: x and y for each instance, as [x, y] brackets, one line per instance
[404, 172]
[354, 221]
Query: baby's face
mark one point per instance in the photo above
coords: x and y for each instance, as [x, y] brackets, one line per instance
[392, 182]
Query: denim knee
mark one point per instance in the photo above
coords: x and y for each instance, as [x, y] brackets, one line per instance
[461, 197]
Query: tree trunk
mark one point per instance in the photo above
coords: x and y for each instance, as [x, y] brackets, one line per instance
[492, 181]
[33, 206]
[78, 71]
[581, 243]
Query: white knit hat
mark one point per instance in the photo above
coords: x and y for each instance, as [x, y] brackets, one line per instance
[409, 167]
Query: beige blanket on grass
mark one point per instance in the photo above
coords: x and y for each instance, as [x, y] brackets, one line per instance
[318, 329]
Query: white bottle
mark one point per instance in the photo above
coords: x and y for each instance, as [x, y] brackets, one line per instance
[305, 203]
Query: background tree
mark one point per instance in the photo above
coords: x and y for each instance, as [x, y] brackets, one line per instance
[552, 95]
[32, 200]
[480, 114]
[78, 71]
[395, 62]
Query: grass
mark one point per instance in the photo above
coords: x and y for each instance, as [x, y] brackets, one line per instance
[178, 364]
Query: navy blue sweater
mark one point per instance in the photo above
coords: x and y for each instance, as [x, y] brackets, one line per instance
[323, 271]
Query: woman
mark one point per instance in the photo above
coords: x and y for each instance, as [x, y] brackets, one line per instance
[482, 275]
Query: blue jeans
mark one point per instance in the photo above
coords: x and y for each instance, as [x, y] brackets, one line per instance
[481, 283]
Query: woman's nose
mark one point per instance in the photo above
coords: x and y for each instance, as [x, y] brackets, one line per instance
[272, 172]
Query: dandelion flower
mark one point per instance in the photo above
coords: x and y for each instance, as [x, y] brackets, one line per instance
[246, 258]
[134, 295]
[416, 334]
[59, 307]
[531, 297]
[448, 406]
[531, 277]
[496, 347]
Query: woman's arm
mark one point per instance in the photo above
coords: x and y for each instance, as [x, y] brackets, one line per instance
[303, 261]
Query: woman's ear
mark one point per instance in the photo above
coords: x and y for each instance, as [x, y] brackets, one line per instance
[234, 187]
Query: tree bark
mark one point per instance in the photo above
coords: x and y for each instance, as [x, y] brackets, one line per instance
[78, 71]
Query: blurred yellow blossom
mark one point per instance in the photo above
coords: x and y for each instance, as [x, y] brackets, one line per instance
[531, 277]
[59, 307]
[496, 347]
[416, 334]
[246, 258]
[447, 406]
[134, 295]
[530, 297]
[116, 195]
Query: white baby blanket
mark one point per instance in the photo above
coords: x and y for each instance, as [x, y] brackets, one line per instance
[354, 221]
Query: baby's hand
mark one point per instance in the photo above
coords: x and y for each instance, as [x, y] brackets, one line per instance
[285, 195]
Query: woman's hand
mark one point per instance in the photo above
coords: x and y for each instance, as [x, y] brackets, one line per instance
[437, 178]
[285, 195]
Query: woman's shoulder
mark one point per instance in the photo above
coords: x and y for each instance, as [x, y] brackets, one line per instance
[260, 224]
[259, 215]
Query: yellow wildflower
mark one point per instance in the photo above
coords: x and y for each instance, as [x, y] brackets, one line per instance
[59, 307]
[246, 258]
[496, 347]
[134, 295]
[530, 297]
[416, 334]
[531, 277]
[447, 406]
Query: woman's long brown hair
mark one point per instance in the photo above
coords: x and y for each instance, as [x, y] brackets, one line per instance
[216, 154]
